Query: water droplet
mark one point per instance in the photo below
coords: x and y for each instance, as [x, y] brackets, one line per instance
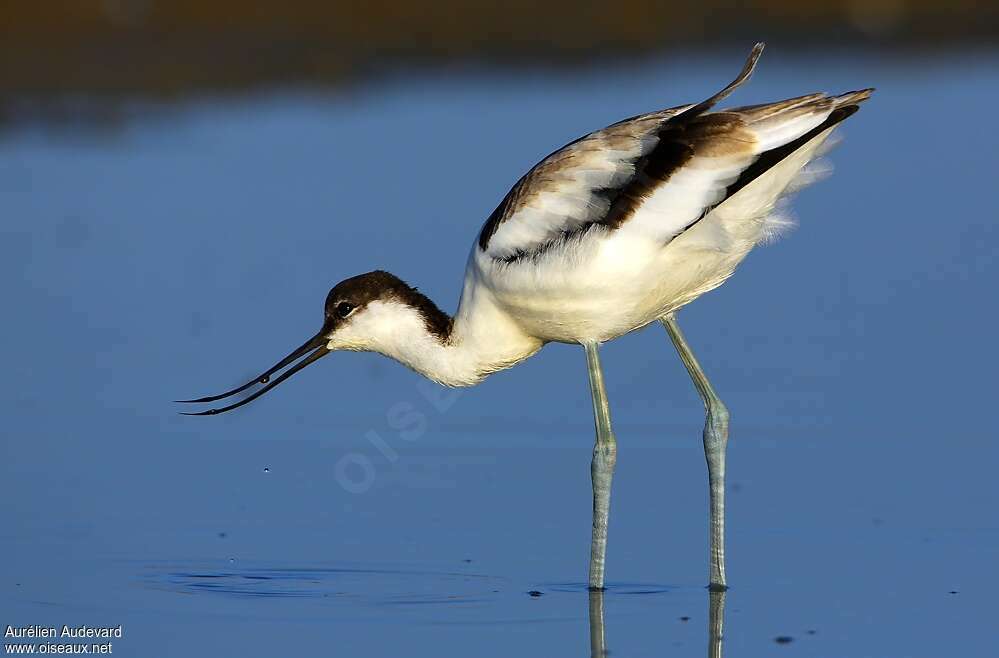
[265, 379]
[232, 560]
[266, 470]
[534, 593]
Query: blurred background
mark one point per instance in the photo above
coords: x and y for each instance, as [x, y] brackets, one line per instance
[79, 60]
[182, 182]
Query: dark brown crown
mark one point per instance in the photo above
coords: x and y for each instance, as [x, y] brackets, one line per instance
[362, 289]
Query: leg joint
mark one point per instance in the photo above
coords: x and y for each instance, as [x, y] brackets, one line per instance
[604, 456]
[716, 426]
[717, 411]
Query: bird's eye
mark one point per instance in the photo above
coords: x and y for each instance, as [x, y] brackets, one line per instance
[343, 309]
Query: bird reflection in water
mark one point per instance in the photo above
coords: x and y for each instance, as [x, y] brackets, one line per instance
[598, 635]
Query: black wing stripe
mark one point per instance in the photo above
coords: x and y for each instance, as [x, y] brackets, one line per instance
[677, 144]
[773, 157]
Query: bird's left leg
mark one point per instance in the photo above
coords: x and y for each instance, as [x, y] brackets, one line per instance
[601, 468]
[715, 442]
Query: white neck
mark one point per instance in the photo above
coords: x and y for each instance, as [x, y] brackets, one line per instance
[482, 340]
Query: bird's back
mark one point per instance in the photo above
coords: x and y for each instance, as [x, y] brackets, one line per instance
[631, 221]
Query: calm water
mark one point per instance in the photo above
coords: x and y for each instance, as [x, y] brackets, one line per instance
[357, 511]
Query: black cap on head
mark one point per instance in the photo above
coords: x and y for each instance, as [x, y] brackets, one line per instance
[355, 293]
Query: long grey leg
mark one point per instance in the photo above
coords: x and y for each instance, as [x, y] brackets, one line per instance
[715, 440]
[601, 468]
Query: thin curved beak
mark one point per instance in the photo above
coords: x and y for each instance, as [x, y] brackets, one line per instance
[315, 348]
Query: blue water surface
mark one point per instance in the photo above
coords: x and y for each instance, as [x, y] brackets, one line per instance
[357, 511]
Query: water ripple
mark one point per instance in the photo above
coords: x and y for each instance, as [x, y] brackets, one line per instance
[386, 586]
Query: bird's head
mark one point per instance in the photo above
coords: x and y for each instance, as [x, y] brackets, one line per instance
[368, 312]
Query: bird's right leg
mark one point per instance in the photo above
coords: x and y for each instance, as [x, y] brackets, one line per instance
[601, 468]
[715, 442]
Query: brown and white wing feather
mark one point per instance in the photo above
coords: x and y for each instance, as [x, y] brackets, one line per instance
[568, 190]
[657, 173]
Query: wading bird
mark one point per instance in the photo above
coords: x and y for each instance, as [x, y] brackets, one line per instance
[618, 229]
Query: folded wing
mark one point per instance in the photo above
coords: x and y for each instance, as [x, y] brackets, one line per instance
[657, 173]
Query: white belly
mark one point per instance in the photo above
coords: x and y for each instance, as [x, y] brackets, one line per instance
[609, 286]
